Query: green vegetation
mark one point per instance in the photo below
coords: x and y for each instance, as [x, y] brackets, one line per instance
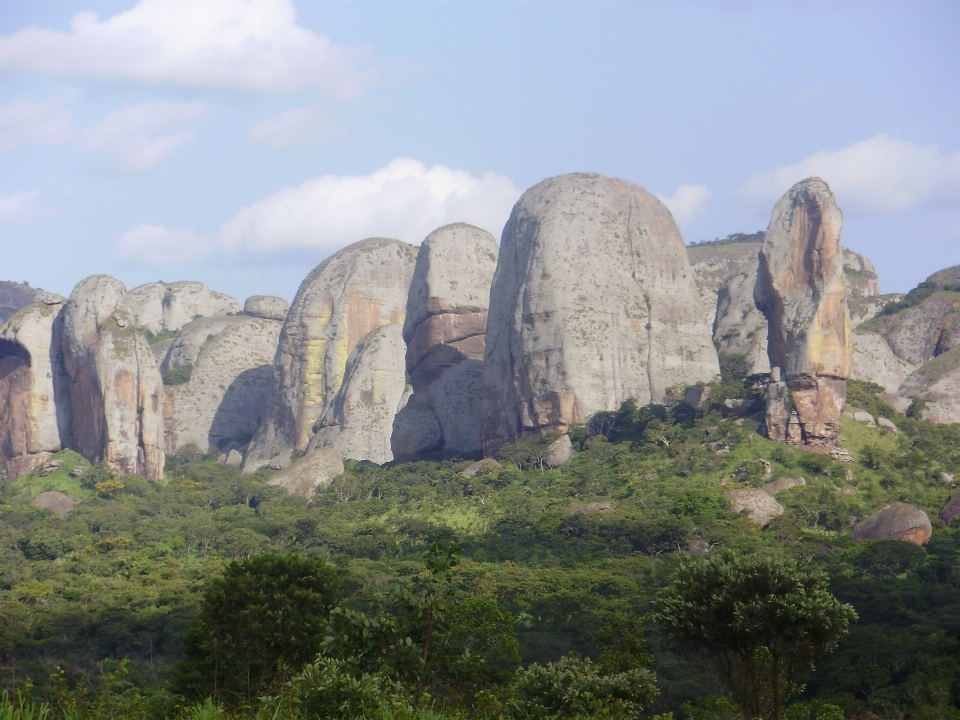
[178, 375]
[523, 591]
[160, 336]
[734, 238]
[916, 296]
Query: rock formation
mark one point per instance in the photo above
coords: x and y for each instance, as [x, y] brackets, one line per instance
[14, 296]
[359, 421]
[951, 510]
[309, 472]
[55, 502]
[760, 506]
[937, 383]
[267, 307]
[740, 328]
[875, 361]
[444, 330]
[115, 387]
[801, 291]
[34, 388]
[899, 521]
[160, 306]
[360, 288]
[231, 374]
[593, 302]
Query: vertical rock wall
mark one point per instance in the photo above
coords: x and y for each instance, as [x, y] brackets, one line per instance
[593, 302]
[802, 293]
[115, 386]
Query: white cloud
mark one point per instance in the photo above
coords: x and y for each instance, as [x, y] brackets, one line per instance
[226, 44]
[876, 175]
[404, 199]
[18, 207]
[141, 137]
[687, 202]
[305, 126]
[25, 122]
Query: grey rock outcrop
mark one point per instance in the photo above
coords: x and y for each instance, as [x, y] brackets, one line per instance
[115, 387]
[801, 291]
[760, 506]
[34, 388]
[309, 472]
[899, 521]
[230, 382]
[14, 296]
[740, 328]
[267, 307]
[444, 330]
[951, 510]
[54, 501]
[860, 276]
[160, 306]
[359, 421]
[593, 302]
[484, 465]
[772, 488]
[360, 288]
[937, 383]
[875, 361]
[560, 452]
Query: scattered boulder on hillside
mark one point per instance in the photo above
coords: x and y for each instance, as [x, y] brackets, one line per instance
[875, 361]
[15, 296]
[861, 416]
[358, 289]
[593, 302]
[899, 521]
[268, 307]
[759, 505]
[115, 387]
[359, 421]
[160, 306]
[34, 388]
[887, 425]
[937, 384]
[309, 472]
[951, 510]
[444, 330]
[228, 366]
[560, 452]
[55, 502]
[776, 486]
[802, 293]
[484, 465]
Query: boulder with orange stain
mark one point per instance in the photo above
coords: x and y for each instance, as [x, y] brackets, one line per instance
[900, 521]
[802, 293]
[116, 393]
[593, 302]
[359, 289]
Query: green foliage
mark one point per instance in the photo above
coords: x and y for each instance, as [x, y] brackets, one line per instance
[733, 239]
[153, 338]
[260, 622]
[178, 375]
[916, 296]
[761, 618]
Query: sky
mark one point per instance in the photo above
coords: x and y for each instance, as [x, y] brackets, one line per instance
[241, 142]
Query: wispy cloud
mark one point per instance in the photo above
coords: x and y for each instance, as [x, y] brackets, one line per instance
[141, 137]
[404, 199]
[18, 207]
[687, 202]
[25, 122]
[873, 176]
[228, 45]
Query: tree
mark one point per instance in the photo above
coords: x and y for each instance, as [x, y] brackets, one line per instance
[259, 623]
[761, 618]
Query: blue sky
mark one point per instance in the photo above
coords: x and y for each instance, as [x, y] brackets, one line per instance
[240, 142]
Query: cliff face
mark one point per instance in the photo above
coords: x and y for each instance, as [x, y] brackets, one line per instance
[34, 388]
[444, 330]
[593, 302]
[360, 288]
[14, 296]
[162, 306]
[802, 293]
[115, 386]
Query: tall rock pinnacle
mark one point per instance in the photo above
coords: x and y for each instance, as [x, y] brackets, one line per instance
[802, 293]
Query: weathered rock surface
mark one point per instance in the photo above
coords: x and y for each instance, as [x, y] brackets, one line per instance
[359, 422]
[760, 506]
[34, 388]
[875, 361]
[115, 387]
[309, 472]
[593, 302]
[860, 276]
[560, 452]
[938, 384]
[444, 331]
[887, 425]
[14, 296]
[899, 521]
[160, 306]
[229, 388]
[776, 486]
[484, 465]
[55, 502]
[951, 510]
[358, 289]
[268, 307]
[739, 327]
[802, 293]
